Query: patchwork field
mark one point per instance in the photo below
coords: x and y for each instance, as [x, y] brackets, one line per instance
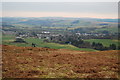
[34, 62]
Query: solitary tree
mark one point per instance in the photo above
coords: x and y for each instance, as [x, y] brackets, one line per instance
[33, 45]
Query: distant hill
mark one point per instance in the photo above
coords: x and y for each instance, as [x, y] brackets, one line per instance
[59, 21]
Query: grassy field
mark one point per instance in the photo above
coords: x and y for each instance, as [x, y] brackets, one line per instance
[105, 42]
[111, 30]
[8, 40]
[40, 43]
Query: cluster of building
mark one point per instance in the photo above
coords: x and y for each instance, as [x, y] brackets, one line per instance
[46, 35]
[89, 34]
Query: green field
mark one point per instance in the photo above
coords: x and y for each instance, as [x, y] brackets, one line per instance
[111, 30]
[105, 42]
[8, 40]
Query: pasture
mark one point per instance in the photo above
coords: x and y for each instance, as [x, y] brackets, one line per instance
[105, 42]
[8, 40]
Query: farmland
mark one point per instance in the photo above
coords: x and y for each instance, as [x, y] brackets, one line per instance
[34, 62]
[8, 40]
[60, 32]
[111, 29]
[105, 42]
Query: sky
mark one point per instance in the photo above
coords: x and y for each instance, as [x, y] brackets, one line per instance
[60, 0]
[60, 9]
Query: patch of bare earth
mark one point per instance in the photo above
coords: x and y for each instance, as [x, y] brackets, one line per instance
[33, 62]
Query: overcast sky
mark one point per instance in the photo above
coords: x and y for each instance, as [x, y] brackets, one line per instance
[60, 9]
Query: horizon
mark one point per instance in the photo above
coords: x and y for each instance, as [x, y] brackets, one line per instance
[60, 17]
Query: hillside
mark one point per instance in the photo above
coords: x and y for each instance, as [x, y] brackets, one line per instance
[34, 62]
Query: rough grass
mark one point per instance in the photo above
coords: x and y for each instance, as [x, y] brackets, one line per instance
[34, 62]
